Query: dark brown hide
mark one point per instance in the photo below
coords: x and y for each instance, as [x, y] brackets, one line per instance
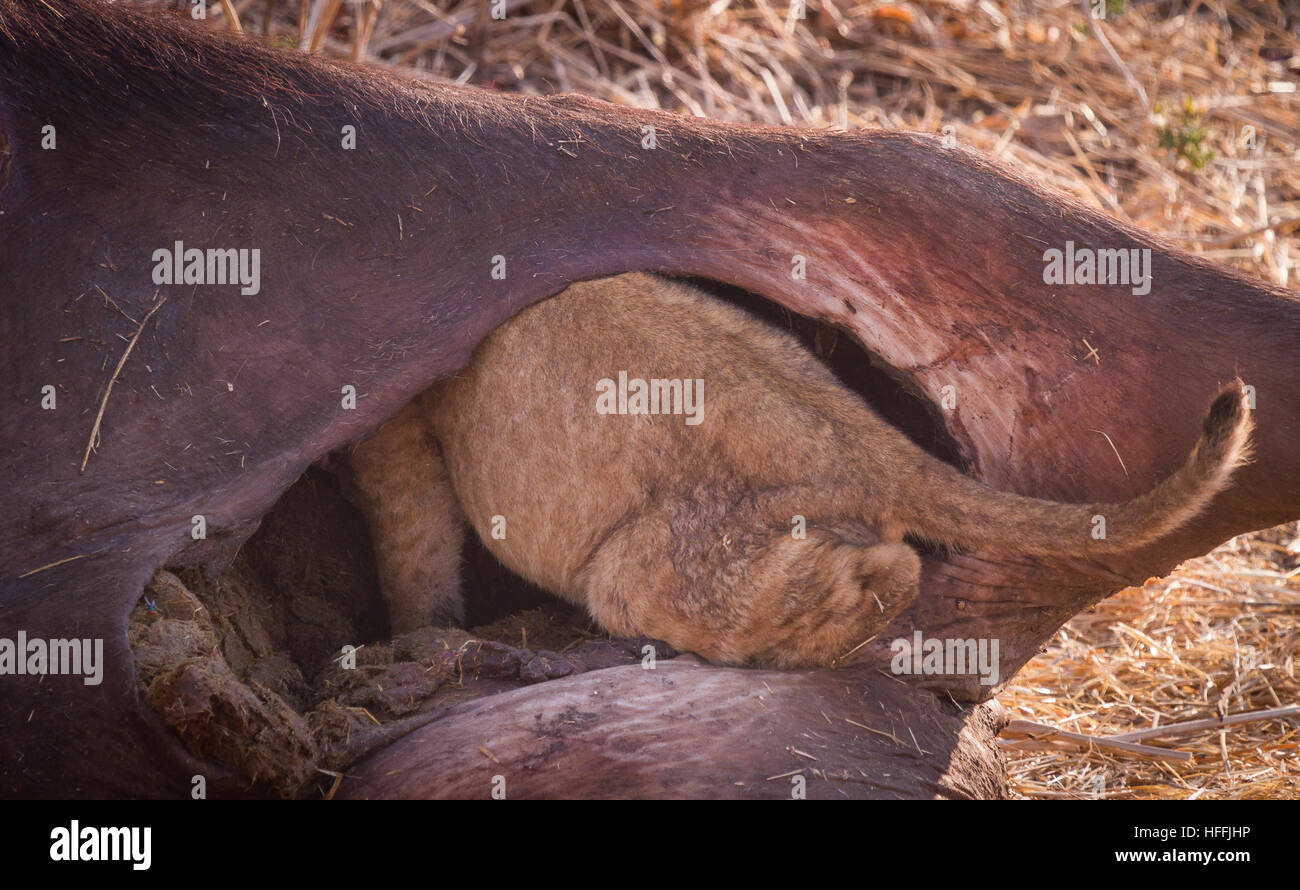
[376, 273]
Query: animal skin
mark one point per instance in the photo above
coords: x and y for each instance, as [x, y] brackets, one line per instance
[688, 532]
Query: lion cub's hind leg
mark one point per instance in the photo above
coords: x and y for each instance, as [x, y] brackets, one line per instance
[415, 522]
[762, 599]
[819, 598]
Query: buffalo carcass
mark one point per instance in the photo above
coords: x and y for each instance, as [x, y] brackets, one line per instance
[177, 402]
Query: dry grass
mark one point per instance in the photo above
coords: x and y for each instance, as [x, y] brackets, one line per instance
[1192, 135]
[1219, 636]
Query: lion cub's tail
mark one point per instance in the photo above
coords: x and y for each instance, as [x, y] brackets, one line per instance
[967, 513]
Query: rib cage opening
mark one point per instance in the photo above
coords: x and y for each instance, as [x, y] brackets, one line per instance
[492, 591]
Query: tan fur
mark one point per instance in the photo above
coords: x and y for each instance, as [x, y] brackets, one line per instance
[684, 532]
[414, 521]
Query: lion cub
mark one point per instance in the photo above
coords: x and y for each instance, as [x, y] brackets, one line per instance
[691, 474]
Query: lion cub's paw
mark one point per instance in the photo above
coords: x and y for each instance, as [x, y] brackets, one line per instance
[866, 588]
